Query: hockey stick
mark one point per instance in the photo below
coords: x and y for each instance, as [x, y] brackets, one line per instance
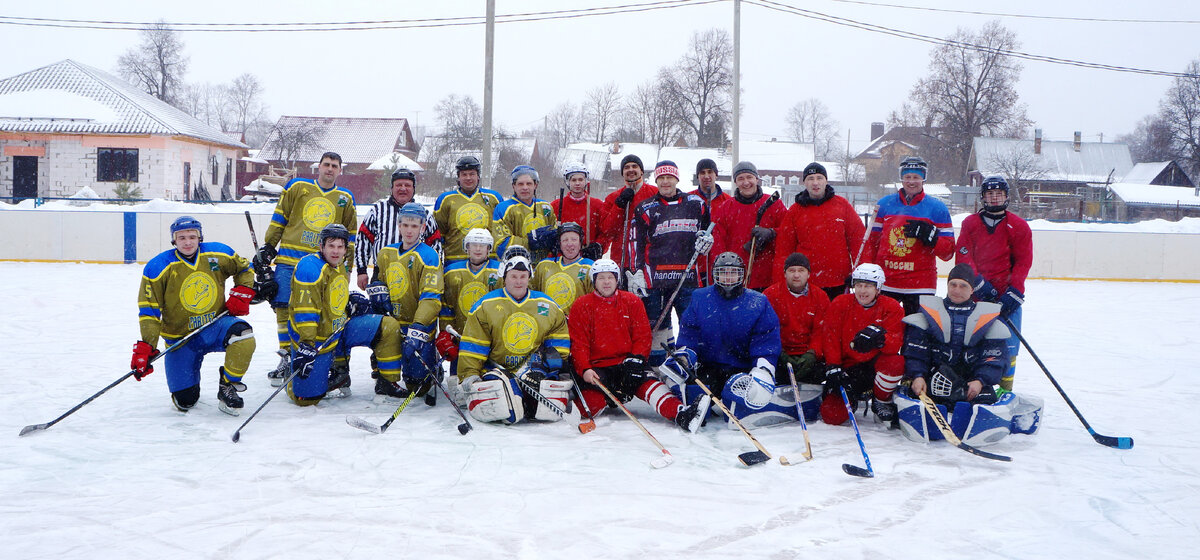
[659, 462]
[803, 425]
[237, 434]
[667, 308]
[944, 427]
[749, 458]
[753, 240]
[39, 427]
[625, 235]
[362, 424]
[1121, 442]
[855, 470]
[858, 257]
[466, 425]
[590, 424]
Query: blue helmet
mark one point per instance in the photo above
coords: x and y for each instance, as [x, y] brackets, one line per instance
[520, 170]
[185, 223]
[411, 210]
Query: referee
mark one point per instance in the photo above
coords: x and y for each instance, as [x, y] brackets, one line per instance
[381, 228]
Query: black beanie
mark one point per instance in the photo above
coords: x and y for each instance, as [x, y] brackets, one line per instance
[706, 164]
[812, 169]
[796, 259]
[962, 272]
[632, 157]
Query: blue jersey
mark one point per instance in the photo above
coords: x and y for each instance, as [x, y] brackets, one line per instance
[909, 266]
[730, 333]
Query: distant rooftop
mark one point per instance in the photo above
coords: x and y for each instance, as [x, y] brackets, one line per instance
[356, 139]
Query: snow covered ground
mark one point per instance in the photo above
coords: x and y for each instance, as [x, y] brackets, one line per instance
[129, 477]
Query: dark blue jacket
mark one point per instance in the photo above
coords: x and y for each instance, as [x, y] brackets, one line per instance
[967, 337]
[730, 333]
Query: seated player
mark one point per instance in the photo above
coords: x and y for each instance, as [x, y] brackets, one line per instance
[465, 282]
[801, 307]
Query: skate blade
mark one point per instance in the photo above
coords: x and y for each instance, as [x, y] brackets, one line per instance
[228, 409]
[338, 393]
[277, 381]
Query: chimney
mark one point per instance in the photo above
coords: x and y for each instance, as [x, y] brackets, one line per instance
[1078, 139]
[876, 130]
[1037, 141]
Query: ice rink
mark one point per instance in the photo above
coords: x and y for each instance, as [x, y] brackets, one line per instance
[130, 477]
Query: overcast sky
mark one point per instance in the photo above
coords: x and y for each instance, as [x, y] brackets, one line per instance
[860, 75]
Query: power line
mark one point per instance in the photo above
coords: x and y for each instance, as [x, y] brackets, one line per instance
[788, 9]
[1024, 16]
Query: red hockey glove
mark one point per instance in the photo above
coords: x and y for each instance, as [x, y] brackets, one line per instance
[239, 300]
[140, 364]
[446, 346]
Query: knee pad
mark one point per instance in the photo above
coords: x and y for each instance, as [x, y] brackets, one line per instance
[495, 399]
[557, 392]
[186, 398]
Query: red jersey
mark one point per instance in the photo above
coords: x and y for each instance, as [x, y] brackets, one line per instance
[614, 220]
[606, 330]
[1002, 254]
[829, 232]
[845, 317]
[733, 221]
[577, 211]
[909, 265]
[800, 317]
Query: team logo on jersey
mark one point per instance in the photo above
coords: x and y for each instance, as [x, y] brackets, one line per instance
[198, 292]
[520, 332]
[899, 244]
[397, 280]
[561, 288]
[318, 213]
[339, 294]
[469, 295]
[213, 265]
[532, 222]
[470, 216]
[493, 279]
[543, 309]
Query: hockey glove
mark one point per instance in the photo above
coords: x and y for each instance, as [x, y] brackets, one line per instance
[835, 378]
[143, 353]
[764, 236]
[240, 298]
[804, 363]
[985, 291]
[704, 242]
[381, 300]
[593, 251]
[543, 238]
[924, 232]
[418, 354]
[687, 359]
[868, 339]
[636, 283]
[265, 286]
[263, 258]
[1011, 301]
[624, 198]
[446, 346]
[303, 356]
[634, 365]
[358, 305]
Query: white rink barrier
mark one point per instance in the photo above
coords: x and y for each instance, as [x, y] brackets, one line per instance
[125, 236]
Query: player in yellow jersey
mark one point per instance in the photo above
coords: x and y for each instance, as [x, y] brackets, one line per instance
[466, 207]
[304, 209]
[466, 282]
[568, 276]
[507, 328]
[181, 291]
[524, 219]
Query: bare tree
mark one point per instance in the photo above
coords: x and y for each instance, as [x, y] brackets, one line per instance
[1149, 141]
[852, 173]
[1179, 110]
[563, 125]
[602, 108]
[970, 90]
[700, 86]
[461, 119]
[206, 102]
[288, 141]
[1021, 167]
[157, 64]
[649, 116]
[245, 108]
[810, 121]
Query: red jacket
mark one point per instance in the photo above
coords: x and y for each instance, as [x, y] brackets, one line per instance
[577, 211]
[846, 317]
[800, 317]
[614, 220]
[828, 232]
[606, 330]
[1002, 256]
[734, 219]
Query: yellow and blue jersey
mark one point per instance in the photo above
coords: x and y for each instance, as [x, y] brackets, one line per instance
[414, 281]
[317, 307]
[517, 219]
[303, 210]
[456, 214]
[178, 295]
[505, 331]
[464, 287]
[563, 283]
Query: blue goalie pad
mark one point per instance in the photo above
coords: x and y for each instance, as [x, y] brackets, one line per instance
[780, 408]
[976, 425]
[915, 423]
[1027, 414]
[983, 424]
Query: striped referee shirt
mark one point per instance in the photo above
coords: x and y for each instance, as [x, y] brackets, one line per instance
[382, 228]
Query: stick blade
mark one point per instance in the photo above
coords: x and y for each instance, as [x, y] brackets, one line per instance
[1108, 441]
[855, 470]
[362, 424]
[751, 458]
[39, 427]
[665, 461]
[464, 428]
[982, 453]
[237, 436]
[585, 427]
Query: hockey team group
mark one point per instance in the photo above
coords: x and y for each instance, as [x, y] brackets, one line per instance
[784, 313]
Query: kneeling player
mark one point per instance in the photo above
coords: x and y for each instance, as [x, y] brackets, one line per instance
[610, 341]
[566, 277]
[464, 283]
[508, 330]
[863, 332]
[181, 291]
[801, 307]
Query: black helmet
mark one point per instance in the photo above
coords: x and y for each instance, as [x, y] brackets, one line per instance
[729, 274]
[335, 231]
[466, 163]
[914, 164]
[566, 227]
[994, 183]
[404, 173]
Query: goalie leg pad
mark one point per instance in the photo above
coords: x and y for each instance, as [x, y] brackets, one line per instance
[748, 391]
[1026, 414]
[989, 423]
[495, 400]
[781, 407]
[556, 391]
[914, 423]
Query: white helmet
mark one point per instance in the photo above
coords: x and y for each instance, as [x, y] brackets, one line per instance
[868, 272]
[605, 265]
[573, 168]
[479, 235]
[517, 262]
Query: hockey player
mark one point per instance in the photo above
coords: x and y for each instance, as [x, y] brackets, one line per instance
[668, 229]
[580, 207]
[568, 276]
[464, 208]
[412, 275]
[909, 232]
[514, 343]
[706, 184]
[525, 219]
[619, 206]
[181, 291]
[380, 229]
[801, 307]
[304, 209]
[823, 226]
[610, 342]
[736, 225]
[863, 332]
[734, 335]
[999, 245]
[317, 313]
[465, 282]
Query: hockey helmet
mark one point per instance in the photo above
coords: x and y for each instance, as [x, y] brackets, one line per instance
[411, 210]
[467, 163]
[517, 262]
[404, 173]
[478, 235]
[729, 274]
[914, 164]
[520, 170]
[605, 265]
[570, 227]
[334, 231]
[573, 168]
[868, 272]
[994, 183]
[185, 223]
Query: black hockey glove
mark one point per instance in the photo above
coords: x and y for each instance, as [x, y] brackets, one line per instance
[924, 232]
[634, 365]
[835, 378]
[358, 305]
[763, 235]
[624, 198]
[265, 286]
[868, 339]
[381, 300]
[263, 258]
[985, 291]
[543, 238]
[302, 359]
[593, 251]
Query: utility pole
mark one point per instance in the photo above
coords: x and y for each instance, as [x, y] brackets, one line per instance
[489, 44]
[737, 77]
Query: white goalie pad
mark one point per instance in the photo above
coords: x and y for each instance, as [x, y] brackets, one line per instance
[494, 400]
[556, 391]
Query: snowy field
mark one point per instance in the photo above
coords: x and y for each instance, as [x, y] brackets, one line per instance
[129, 477]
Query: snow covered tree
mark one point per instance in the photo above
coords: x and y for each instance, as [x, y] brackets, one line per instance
[1179, 111]
[157, 64]
[810, 121]
[603, 109]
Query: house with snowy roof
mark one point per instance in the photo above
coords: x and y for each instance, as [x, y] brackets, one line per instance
[67, 125]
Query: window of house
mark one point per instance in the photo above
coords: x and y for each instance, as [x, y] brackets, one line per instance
[779, 179]
[117, 164]
[228, 172]
[793, 180]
